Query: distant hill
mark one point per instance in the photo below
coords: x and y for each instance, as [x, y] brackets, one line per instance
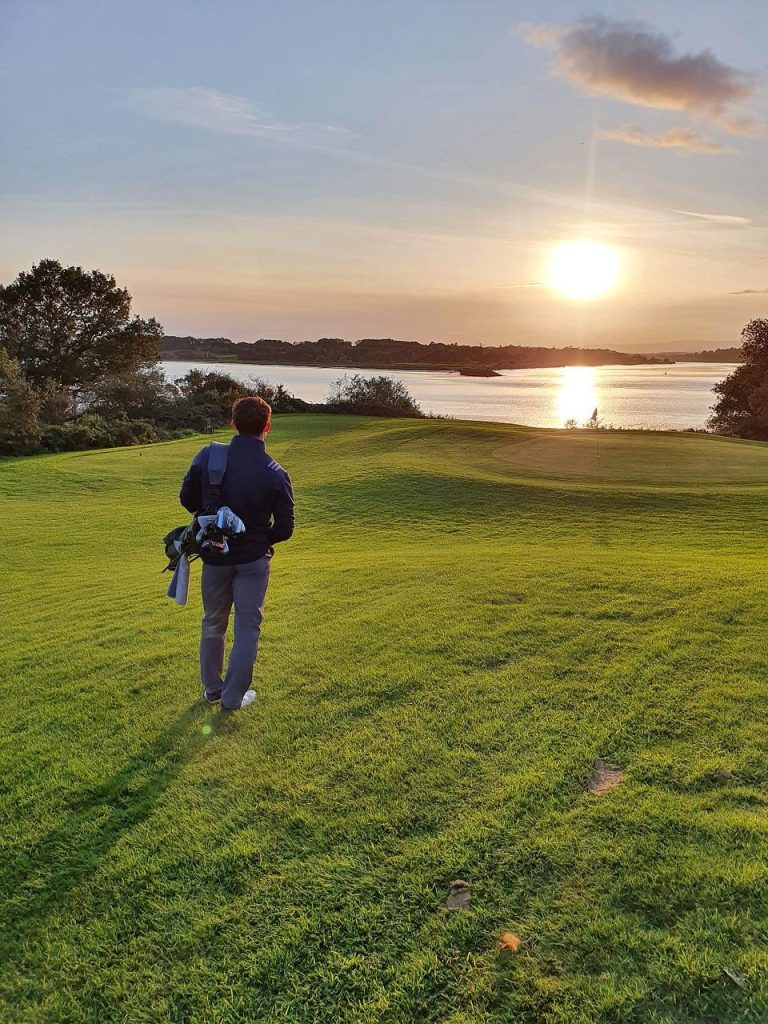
[711, 355]
[390, 353]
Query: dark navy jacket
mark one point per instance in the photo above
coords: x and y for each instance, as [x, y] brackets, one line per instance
[256, 488]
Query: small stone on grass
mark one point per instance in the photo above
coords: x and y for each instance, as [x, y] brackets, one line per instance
[458, 895]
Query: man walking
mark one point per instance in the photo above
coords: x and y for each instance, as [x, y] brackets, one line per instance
[258, 490]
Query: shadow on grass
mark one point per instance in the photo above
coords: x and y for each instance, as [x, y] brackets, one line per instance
[430, 497]
[38, 881]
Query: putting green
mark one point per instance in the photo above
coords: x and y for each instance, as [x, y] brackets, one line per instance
[644, 458]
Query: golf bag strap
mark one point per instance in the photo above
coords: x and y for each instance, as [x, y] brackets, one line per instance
[216, 468]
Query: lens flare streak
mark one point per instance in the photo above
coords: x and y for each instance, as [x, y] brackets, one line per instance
[576, 394]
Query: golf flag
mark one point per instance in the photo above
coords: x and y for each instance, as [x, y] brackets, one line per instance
[593, 421]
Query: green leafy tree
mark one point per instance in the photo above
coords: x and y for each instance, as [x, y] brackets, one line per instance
[742, 405]
[19, 430]
[69, 327]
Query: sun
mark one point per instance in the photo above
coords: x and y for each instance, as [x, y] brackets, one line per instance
[583, 270]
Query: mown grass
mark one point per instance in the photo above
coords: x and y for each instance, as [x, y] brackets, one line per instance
[467, 616]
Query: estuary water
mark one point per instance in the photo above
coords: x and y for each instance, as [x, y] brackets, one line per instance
[675, 397]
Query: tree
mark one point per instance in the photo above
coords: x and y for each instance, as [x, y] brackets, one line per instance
[372, 396]
[70, 327]
[19, 430]
[742, 407]
[143, 394]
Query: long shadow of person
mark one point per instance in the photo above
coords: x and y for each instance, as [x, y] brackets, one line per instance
[41, 878]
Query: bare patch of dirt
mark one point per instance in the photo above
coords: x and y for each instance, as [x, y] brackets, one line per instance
[604, 777]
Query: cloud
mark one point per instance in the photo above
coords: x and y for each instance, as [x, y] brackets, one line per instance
[220, 112]
[629, 61]
[726, 219]
[743, 124]
[545, 36]
[750, 291]
[673, 138]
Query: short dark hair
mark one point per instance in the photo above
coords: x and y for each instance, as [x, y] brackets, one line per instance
[251, 415]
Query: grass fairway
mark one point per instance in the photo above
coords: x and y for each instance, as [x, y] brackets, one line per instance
[467, 616]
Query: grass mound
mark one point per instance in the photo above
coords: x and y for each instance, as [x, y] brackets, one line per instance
[468, 617]
[656, 459]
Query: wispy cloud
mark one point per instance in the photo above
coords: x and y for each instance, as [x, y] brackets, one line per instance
[726, 219]
[221, 112]
[213, 110]
[629, 61]
[750, 291]
[217, 111]
[684, 139]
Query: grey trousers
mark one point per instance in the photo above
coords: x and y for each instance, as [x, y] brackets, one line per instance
[245, 586]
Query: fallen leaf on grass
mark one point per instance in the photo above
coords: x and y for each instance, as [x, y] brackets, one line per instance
[508, 940]
[604, 777]
[738, 979]
[458, 895]
[726, 773]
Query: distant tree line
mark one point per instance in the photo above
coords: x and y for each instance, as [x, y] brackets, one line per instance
[393, 354]
[709, 355]
[77, 371]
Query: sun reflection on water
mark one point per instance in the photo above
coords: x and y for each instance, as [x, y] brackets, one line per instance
[576, 394]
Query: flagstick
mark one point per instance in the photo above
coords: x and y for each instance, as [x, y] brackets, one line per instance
[595, 423]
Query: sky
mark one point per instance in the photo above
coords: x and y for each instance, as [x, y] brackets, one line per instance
[394, 168]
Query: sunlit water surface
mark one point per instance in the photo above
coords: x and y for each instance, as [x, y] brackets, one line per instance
[653, 397]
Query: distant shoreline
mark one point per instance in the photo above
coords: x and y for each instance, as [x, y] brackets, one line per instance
[442, 368]
[467, 371]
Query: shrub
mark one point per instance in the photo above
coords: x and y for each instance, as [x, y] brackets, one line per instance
[127, 432]
[279, 399]
[205, 399]
[372, 396]
[87, 432]
[143, 394]
[92, 431]
[58, 403]
[19, 429]
[133, 407]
